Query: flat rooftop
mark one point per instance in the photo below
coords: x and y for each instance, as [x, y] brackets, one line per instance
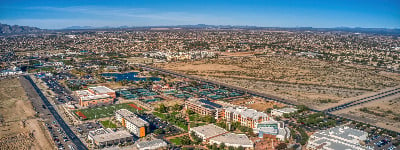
[101, 89]
[268, 130]
[94, 97]
[152, 143]
[209, 130]
[286, 110]
[204, 103]
[82, 93]
[249, 113]
[341, 137]
[232, 138]
[132, 117]
[103, 135]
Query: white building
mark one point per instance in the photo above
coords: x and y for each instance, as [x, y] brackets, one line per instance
[107, 137]
[214, 134]
[4, 73]
[272, 129]
[280, 112]
[234, 140]
[246, 117]
[132, 122]
[207, 131]
[341, 137]
[150, 145]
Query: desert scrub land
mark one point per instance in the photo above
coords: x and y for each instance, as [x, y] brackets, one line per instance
[19, 128]
[257, 103]
[305, 81]
[382, 113]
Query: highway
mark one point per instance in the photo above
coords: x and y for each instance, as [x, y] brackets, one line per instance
[364, 100]
[78, 143]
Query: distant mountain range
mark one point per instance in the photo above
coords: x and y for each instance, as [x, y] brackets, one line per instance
[91, 27]
[15, 29]
[79, 27]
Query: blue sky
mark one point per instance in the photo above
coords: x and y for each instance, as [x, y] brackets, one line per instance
[55, 14]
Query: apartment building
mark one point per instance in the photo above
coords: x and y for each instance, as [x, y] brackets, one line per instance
[202, 106]
[132, 122]
[246, 117]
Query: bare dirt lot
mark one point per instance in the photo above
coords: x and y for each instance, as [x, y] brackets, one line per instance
[20, 129]
[256, 103]
[383, 113]
[314, 83]
[169, 102]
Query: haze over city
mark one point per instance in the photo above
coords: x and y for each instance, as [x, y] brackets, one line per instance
[267, 13]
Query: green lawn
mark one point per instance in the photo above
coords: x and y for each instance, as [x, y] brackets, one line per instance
[163, 117]
[160, 115]
[174, 113]
[192, 124]
[108, 124]
[105, 111]
[176, 141]
[183, 126]
[193, 117]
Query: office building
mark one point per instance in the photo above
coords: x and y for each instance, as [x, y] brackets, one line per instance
[234, 140]
[89, 99]
[213, 134]
[341, 137]
[150, 145]
[202, 106]
[132, 122]
[272, 129]
[106, 137]
[280, 112]
[246, 117]
[100, 90]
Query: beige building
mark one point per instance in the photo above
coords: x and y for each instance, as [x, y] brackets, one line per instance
[132, 122]
[107, 137]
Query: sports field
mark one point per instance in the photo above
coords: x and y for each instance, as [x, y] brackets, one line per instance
[105, 111]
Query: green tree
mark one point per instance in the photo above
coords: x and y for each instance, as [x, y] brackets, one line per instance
[302, 108]
[185, 140]
[285, 115]
[281, 146]
[176, 107]
[222, 146]
[240, 148]
[190, 112]
[158, 131]
[214, 147]
[162, 108]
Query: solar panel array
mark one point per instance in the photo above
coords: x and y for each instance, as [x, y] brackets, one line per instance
[210, 103]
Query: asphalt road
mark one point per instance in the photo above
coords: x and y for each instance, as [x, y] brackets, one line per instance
[365, 100]
[78, 143]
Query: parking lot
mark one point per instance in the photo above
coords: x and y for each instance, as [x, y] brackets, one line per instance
[380, 142]
[63, 95]
[156, 123]
[83, 129]
[58, 135]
